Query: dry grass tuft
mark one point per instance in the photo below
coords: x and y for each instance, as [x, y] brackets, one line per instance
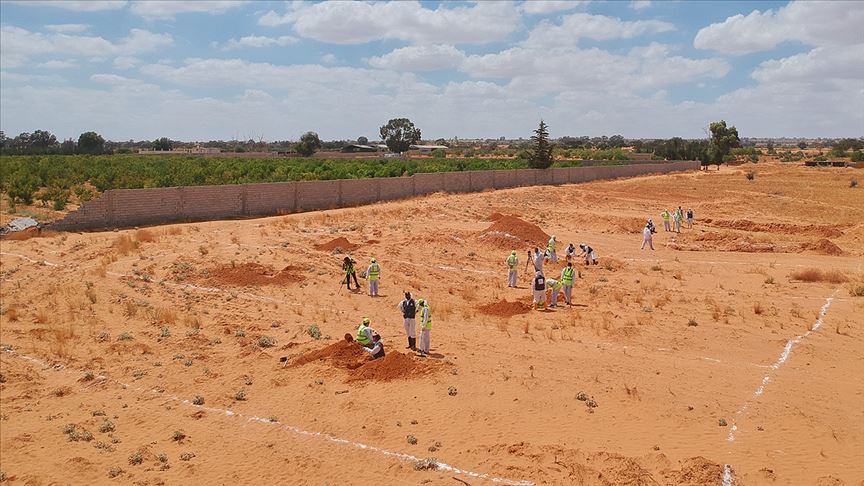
[11, 314]
[40, 316]
[757, 308]
[165, 315]
[130, 308]
[173, 231]
[145, 236]
[125, 244]
[817, 275]
[618, 295]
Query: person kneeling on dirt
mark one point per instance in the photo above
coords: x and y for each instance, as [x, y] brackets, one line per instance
[365, 333]
[588, 254]
[377, 349]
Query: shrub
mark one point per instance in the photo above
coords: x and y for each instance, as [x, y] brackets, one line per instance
[429, 464]
[107, 426]
[856, 290]
[136, 458]
[266, 342]
[186, 456]
[853, 183]
[769, 280]
[240, 333]
[314, 331]
[164, 332]
[178, 436]
[750, 175]
[114, 472]
[198, 400]
[692, 323]
[240, 395]
[124, 336]
[757, 308]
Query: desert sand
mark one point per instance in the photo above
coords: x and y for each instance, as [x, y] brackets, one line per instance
[732, 354]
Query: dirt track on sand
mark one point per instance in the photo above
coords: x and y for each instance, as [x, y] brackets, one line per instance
[627, 386]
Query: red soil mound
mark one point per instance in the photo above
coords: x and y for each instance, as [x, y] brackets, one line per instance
[246, 274]
[505, 308]
[341, 354]
[345, 355]
[823, 246]
[341, 243]
[511, 232]
[824, 231]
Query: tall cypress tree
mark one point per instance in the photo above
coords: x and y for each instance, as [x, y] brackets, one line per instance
[541, 152]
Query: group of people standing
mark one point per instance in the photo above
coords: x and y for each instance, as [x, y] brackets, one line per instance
[677, 216]
[540, 284]
[371, 341]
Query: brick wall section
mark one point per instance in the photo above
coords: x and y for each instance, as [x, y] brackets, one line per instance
[140, 207]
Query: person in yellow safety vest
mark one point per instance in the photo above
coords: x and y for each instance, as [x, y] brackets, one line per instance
[567, 280]
[550, 250]
[665, 215]
[512, 263]
[365, 333]
[555, 285]
[425, 327]
[373, 273]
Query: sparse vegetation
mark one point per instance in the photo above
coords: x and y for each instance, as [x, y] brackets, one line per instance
[428, 464]
[114, 472]
[198, 400]
[411, 439]
[187, 456]
[178, 436]
[266, 342]
[314, 331]
[164, 332]
[240, 395]
[817, 275]
[750, 175]
[853, 183]
[239, 333]
[124, 336]
[757, 308]
[769, 280]
[692, 323]
[135, 458]
[107, 426]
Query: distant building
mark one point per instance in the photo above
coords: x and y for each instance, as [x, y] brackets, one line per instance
[197, 150]
[355, 148]
[428, 148]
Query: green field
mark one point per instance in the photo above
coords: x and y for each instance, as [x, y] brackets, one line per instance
[53, 177]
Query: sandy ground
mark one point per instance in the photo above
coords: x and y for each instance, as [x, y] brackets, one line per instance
[109, 338]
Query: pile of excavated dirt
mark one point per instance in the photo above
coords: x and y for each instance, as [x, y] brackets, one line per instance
[505, 308]
[246, 274]
[824, 231]
[348, 355]
[341, 354]
[342, 243]
[823, 246]
[511, 232]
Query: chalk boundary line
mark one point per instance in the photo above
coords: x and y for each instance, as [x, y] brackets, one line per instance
[440, 466]
[728, 478]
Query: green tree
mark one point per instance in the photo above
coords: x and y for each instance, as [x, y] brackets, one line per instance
[90, 143]
[723, 140]
[362, 141]
[541, 148]
[802, 145]
[770, 147]
[163, 143]
[309, 143]
[399, 134]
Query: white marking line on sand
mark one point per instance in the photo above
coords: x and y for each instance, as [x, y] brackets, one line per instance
[296, 430]
[727, 478]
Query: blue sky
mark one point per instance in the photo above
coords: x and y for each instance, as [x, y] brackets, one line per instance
[203, 70]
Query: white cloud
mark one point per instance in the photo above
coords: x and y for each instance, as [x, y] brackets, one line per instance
[329, 59]
[68, 28]
[597, 27]
[126, 62]
[362, 22]
[640, 4]
[56, 64]
[542, 7]
[818, 24]
[419, 58]
[820, 64]
[161, 9]
[74, 5]
[18, 45]
[260, 41]
[551, 71]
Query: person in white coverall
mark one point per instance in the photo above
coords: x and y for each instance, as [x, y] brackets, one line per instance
[646, 237]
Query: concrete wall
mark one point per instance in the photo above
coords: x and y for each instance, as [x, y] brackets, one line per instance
[139, 207]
